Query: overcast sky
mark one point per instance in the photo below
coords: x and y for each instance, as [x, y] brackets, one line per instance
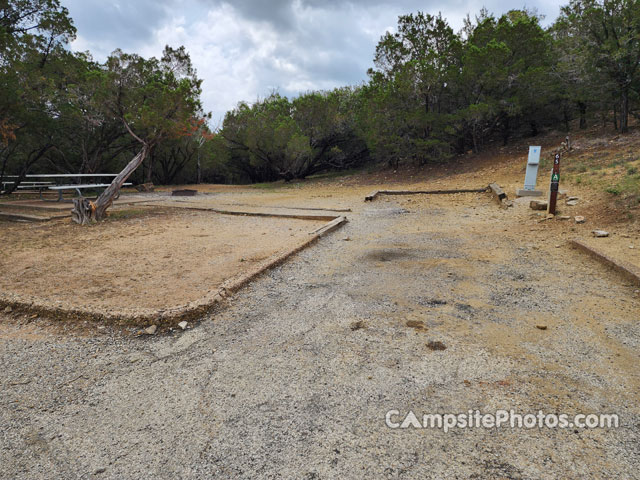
[245, 49]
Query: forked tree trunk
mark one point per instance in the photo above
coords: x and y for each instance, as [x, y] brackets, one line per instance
[85, 210]
[82, 211]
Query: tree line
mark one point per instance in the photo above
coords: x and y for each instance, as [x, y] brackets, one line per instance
[431, 93]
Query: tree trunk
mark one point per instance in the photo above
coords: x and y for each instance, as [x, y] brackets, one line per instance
[624, 111]
[583, 115]
[615, 116]
[105, 200]
[506, 131]
[82, 211]
[149, 173]
[198, 170]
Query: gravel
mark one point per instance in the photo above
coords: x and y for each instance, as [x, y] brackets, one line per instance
[293, 378]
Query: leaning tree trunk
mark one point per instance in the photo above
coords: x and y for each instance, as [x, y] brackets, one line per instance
[84, 210]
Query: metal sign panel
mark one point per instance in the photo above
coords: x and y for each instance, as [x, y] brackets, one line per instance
[533, 161]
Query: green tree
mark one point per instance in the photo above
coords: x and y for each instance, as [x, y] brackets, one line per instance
[410, 93]
[153, 98]
[609, 36]
[33, 37]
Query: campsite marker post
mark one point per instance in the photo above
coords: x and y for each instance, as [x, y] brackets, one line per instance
[555, 183]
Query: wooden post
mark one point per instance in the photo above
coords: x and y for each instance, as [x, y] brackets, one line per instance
[555, 183]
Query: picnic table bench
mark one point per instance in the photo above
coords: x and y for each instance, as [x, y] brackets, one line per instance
[41, 186]
[78, 188]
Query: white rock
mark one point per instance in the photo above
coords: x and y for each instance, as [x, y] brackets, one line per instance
[579, 219]
[183, 325]
[151, 330]
[8, 310]
[600, 233]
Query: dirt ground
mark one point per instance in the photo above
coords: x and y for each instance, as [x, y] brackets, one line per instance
[430, 304]
[153, 258]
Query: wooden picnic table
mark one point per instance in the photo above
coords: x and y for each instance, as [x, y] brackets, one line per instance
[60, 188]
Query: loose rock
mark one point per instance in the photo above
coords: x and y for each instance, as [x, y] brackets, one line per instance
[579, 219]
[541, 327]
[600, 233]
[151, 330]
[563, 217]
[183, 325]
[538, 205]
[8, 310]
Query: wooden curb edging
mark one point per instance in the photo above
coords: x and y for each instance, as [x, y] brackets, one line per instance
[630, 272]
[372, 196]
[167, 317]
[239, 213]
[16, 217]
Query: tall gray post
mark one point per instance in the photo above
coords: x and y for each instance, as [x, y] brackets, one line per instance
[531, 176]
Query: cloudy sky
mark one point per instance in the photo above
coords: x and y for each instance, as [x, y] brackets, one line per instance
[247, 48]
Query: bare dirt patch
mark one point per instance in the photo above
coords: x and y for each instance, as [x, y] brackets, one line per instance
[148, 259]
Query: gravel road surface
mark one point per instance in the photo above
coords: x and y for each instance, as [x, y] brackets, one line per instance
[423, 304]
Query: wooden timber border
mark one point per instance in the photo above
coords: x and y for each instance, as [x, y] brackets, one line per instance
[372, 196]
[627, 270]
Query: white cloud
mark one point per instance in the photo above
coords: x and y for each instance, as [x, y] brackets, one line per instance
[245, 49]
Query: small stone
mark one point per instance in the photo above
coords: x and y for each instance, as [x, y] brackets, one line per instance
[571, 203]
[346, 239]
[8, 310]
[579, 219]
[625, 235]
[572, 199]
[151, 330]
[100, 470]
[538, 205]
[600, 233]
[541, 327]
[632, 247]
[558, 246]
[550, 216]
[183, 325]
[563, 217]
